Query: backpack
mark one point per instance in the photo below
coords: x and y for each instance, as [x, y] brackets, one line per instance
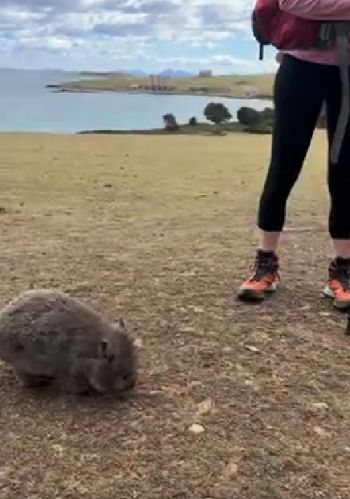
[273, 26]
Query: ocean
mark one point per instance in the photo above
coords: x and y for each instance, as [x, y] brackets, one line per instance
[28, 106]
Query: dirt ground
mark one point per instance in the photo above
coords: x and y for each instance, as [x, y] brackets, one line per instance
[233, 401]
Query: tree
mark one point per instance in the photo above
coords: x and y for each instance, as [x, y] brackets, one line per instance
[268, 116]
[170, 122]
[248, 116]
[217, 113]
[193, 121]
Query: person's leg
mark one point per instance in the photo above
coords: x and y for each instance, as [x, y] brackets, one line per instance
[338, 286]
[298, 98]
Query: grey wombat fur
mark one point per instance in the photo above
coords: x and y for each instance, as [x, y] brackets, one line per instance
[48, 336]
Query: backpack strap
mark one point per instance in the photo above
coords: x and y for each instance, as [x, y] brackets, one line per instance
[261, 51]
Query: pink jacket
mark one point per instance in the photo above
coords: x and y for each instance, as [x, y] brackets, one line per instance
[319, 10]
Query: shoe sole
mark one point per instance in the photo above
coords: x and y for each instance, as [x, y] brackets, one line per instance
[329, 293]
[249, 295]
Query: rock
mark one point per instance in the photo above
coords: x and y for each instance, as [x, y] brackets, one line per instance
[138, 343]
[320, 405]
[58, 450]
[204, 407]
[231, 470]
[188, 329]
[198, 310]
[321, 432]
[197, 429]
[227, 350]
[252, 348]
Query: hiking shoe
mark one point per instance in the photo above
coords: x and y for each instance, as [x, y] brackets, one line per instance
[338, 286]
[263, 279]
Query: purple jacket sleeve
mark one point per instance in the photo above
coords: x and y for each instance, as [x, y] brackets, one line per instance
[332, 10]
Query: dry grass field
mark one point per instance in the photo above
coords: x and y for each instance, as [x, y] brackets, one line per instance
[233, 401]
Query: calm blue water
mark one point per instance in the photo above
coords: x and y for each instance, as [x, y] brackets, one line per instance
[26, 105]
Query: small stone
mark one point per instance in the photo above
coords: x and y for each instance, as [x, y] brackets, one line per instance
[58, 449]
[321, 432]
[320, 405]
[198, 310]
[138, 343]
[227, 350]
[197, 429]
[249, 382]
[188, 329]
[305, 308]
[204, 407]
[231, 470]
[252, 348]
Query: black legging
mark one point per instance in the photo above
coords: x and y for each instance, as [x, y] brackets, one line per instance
[300, 89]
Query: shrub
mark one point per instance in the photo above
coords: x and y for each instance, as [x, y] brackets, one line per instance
[217, 113]
[260, 128]
[248, 116]
[170, 122]
[267, 115]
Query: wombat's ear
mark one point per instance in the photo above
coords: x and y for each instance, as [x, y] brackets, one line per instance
[103, 349]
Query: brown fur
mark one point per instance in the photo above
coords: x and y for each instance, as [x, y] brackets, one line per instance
[48, 336]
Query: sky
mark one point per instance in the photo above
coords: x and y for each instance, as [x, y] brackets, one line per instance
[152, 35]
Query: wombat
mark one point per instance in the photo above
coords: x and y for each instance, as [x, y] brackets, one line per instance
[48, 336]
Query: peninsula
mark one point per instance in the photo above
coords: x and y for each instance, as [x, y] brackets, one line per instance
[232, 86]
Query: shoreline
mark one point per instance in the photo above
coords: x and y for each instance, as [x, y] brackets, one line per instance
[200, 129]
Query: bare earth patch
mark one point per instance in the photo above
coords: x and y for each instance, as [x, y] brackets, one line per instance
[234, 402]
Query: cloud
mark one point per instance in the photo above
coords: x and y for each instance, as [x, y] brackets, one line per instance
[86, 31]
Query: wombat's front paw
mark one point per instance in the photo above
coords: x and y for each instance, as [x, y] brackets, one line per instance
[31, 380]
[77, 385]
